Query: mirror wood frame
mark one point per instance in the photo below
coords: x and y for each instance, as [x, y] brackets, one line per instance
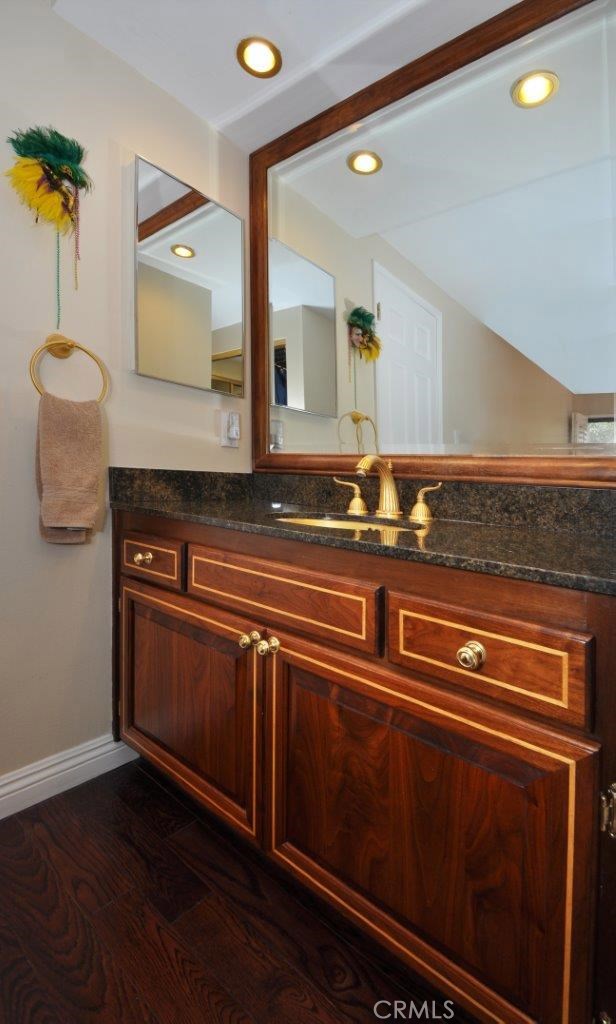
[507, 27]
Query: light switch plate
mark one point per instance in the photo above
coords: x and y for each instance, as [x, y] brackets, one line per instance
[230, 429]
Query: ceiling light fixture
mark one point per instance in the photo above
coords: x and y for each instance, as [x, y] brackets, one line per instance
[364, 161]
[185, 252]
[259, 57]
[534, 88]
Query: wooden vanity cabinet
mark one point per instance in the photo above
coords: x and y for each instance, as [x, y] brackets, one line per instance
[191, 699]
[457, 829]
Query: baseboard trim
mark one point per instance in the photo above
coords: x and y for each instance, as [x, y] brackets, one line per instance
[35, 782]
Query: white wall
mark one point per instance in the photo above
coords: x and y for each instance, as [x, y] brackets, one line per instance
[55, 601]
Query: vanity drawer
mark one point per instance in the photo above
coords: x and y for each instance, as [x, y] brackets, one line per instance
[534, 667]
[330, 608]
[158, 559]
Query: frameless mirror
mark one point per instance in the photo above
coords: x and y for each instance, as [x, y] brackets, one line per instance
[482, 236]
[189, 286]
[302, 333]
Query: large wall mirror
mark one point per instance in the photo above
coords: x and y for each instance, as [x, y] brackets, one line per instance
[482, 237]
[189, 285]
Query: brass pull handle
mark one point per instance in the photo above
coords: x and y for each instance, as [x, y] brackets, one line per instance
[249, 640]
[472, 655]
[271, 646]
[141, 559]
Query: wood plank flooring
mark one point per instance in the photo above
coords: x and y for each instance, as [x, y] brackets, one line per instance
[122, 902]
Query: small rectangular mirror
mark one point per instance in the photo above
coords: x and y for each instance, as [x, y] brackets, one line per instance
[189, 286]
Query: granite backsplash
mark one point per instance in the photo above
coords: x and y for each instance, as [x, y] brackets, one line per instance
[585, 511]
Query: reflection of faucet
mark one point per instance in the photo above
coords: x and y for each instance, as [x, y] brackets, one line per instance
[389, 503]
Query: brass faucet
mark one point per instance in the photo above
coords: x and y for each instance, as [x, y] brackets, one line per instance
[389, 502]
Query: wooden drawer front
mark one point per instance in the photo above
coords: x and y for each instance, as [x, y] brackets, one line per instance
[327, 607]
[166, 565]
[534, 667]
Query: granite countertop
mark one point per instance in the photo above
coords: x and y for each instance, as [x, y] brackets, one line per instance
[562, 559]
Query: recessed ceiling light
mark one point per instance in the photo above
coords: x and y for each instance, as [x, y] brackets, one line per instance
[259, 57]
[535, 88]
[185, 252]
[363, 161]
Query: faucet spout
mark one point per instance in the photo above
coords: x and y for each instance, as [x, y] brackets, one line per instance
[389, 502]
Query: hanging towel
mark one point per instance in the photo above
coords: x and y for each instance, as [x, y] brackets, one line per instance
[68, 468]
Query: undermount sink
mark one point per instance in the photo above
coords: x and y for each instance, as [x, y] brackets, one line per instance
[325, 522]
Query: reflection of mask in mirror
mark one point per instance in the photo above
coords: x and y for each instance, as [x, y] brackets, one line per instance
[484, 247]
[355, 336]
[189, 279]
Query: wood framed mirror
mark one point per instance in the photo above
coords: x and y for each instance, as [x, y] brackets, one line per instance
[488, 232]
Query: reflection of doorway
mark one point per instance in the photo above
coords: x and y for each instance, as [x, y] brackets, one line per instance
[409, 373]
[281, 393]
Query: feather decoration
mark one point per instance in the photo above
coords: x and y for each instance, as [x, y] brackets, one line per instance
[48, 175]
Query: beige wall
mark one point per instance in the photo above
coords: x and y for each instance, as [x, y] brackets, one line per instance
[55, 614]
[492, 395]
[311, 379]
[595, 405]
[174, 320]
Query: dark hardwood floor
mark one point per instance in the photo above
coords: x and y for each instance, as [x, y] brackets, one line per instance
[122, 902]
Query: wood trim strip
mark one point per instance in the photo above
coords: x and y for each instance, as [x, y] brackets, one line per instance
[569, 762]
[563, 655]
[140, 743]
[151, 572]
[169, 214]
[507, 27]
[280, 611]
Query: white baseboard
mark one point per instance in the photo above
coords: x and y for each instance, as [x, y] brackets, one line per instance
[35, 782]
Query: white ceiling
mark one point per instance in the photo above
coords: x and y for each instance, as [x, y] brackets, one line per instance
[512, 212]
[216, 236]
[330, 49]
[295, 281]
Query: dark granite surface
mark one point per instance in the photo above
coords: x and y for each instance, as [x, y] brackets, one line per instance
[562, 536]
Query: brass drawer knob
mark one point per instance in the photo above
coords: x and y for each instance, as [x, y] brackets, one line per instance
[249, 639]
[472, 655]
[143, 559]
[271, 646]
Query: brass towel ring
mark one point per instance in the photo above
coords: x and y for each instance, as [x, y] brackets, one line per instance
[62, 348]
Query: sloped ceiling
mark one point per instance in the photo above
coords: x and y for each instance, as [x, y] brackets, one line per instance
[510, 211]
[330, 49]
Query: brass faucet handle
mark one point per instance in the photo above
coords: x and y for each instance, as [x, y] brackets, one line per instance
[420, 513]
[357, 506]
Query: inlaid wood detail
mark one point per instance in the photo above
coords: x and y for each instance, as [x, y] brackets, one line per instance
[157, 558]
[318, 604]
[191, 699]
[532, 666]
[449, 831]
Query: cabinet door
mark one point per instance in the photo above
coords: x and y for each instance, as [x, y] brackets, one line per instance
[191, 699]
[461, 837]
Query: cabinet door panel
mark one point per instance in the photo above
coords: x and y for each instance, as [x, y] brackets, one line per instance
[191, 698]
[459, 836]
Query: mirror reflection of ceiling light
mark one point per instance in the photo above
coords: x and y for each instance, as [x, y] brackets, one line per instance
[364, 161]
[259, 57]
[534, 88]
[185, 252]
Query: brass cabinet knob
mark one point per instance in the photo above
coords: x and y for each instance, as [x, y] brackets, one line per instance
[271, 646]
[141, 559]
[472, 655]
[249, 639]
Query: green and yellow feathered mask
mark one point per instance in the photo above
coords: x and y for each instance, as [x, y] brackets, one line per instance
[362, 334]
[48, 175]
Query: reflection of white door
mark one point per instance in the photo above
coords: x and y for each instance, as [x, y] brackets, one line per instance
[409, 385]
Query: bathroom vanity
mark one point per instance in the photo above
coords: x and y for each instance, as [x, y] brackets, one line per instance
[309, 691]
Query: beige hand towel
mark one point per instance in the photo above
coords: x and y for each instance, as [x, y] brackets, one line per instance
[68, 468]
